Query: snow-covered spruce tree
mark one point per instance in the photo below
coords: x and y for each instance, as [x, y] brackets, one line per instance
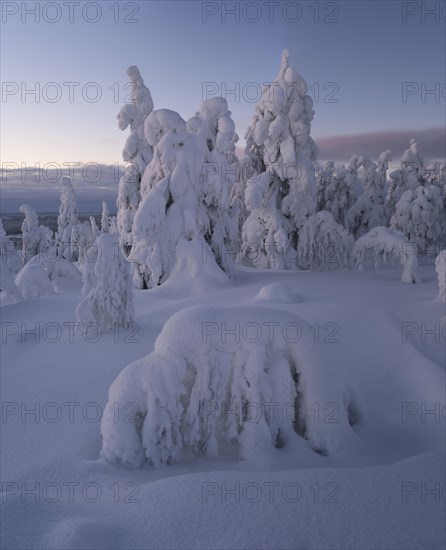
[137, 152]
[394, 192]
[283, 195]
[440, 268]
[10, 256]
[186, 207]
[368, 210]
[335, 193]
[67, 219]
[35, 239]
[105, 218]
[109, 300]
[324, 245]
[420, 215]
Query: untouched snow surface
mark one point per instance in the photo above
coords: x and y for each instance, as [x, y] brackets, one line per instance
[384, 488]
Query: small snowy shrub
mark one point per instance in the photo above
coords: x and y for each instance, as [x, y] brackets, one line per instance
[198, 391]
[109, 301]
[324, 245]
[440, 268]
[381, 244]
[35, 238]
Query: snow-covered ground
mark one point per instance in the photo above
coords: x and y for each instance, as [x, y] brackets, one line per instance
[384, 487]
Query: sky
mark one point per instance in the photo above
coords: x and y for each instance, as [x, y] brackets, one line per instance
[368, 66]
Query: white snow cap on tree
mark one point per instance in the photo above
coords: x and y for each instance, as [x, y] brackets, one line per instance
[67, 219]
[336, 193]
[110, 302]
[440, 268]
[185, 191]
[137, 151]
[324, 245]
[384, 245]
[283, 196]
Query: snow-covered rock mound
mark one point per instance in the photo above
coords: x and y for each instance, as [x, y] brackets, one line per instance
[279, 293]
[225, 381]
[384, 245]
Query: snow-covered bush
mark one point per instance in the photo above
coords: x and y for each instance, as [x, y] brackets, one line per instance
[109, 303]
[200, 388]
[33, 281]
[186, 195]
[35, 238]
[137, 152]
[384, 245]
[368, 211]
[420, 215]
[67, 219]
[440, 268]
[283, 196]
[324, 245]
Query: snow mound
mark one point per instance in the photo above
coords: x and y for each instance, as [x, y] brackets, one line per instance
[83, 534]
[384, 243]
[277, 292]
[56, 267]
[235, 382]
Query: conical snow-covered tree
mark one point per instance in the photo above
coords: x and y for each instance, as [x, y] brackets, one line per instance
[420, 215]
[109, 300]
[35, 239]
[137, 152]
[186, 206]
[283, 195]
[67, 219]
[94, 228]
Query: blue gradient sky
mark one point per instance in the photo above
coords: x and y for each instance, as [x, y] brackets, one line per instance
[369, 53]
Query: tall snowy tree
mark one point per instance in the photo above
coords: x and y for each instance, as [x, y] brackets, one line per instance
[283, 195]
[412, 166]
[186, 206]
[137, 152]
[67, 219]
